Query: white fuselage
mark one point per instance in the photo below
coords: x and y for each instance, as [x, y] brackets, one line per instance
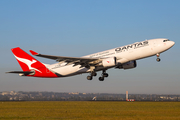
[123, 54]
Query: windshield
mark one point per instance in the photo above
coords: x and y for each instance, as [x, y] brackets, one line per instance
[166, 40]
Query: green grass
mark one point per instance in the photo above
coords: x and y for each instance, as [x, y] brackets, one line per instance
[90, 110]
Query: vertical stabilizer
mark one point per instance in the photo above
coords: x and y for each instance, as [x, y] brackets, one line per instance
[28, 63]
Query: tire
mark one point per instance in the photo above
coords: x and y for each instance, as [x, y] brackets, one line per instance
[101, 78]
[158, 59]
[94, 74]
[89, 77]
[105, 75]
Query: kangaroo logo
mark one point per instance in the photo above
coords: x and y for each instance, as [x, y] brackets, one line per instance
[28, 63]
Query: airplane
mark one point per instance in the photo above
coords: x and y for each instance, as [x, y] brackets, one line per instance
[124, 57]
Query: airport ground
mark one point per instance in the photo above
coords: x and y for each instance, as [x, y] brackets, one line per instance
[89, 110]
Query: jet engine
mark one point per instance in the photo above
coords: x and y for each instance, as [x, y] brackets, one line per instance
[109, 62]
[128, 65]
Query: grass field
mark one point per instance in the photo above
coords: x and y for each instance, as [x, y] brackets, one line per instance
[90, 110]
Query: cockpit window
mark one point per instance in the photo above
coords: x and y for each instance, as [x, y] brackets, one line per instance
[166, 40]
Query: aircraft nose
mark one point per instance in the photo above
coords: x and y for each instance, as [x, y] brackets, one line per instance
[172, 43]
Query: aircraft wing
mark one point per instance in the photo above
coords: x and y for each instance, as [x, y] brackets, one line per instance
[83, 61]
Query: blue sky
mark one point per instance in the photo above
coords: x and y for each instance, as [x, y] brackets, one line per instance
[77, 28]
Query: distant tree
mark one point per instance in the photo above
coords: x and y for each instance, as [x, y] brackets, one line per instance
[5, 98]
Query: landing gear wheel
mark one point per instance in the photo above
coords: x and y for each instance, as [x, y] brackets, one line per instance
[89, 77]
[101, 78]
[158, 59]
[93, 74]
[105, 75]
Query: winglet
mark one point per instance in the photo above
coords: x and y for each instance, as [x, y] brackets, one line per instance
[33, 53]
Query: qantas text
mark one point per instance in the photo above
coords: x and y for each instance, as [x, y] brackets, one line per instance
[135, 45]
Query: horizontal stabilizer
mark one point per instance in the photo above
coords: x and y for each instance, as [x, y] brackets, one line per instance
[22, 72]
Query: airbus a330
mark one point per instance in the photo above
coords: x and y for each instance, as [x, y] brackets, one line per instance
[122, 58]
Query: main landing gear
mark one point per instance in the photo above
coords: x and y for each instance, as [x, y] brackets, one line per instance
[90, 77]
[158, 59]
[104, 74]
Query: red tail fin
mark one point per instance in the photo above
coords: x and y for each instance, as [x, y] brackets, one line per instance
[28, 63]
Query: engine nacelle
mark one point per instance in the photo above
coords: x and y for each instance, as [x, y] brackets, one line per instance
[109, 62]
[128, 65]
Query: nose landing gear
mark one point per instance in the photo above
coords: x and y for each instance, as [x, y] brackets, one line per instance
[158, 59]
